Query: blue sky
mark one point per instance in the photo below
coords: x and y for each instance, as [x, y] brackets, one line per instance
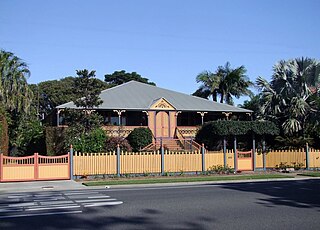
[167, 41]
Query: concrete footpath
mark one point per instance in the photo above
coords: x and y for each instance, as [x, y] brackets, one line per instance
[36, 186]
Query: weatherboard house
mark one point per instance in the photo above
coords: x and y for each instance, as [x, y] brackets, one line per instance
[169, 115]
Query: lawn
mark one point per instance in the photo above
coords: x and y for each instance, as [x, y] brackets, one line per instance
[157, 180]
[311, 174]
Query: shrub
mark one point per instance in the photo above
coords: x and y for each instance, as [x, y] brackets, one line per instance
[212, 133]
[284, 166]
[113, 142]
[55, 140]
[139, 138]
[219, 169]
[91, 142]
[297, 166]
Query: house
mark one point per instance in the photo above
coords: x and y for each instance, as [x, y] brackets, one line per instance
[169, 115]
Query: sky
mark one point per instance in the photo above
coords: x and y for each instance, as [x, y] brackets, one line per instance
[167, 41]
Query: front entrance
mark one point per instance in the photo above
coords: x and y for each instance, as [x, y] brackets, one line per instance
[162, 126]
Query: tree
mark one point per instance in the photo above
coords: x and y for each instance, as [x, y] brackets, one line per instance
[28, 136]
[83, 121]
[289, 97]
[4, 139]
[15, 94]
[86, 85]
[50, 94]
[254, 105]
[209, 87]
[224, 83]
[120, 77]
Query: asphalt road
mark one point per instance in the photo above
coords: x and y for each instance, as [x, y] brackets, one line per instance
[259, 205]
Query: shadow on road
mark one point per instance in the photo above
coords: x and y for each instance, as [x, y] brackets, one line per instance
[299, 194]
[93, 218]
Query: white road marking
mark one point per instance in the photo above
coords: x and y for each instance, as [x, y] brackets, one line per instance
[85, 201]
[40, 214]
[22, 204]
[95, 197]
[11, 210]
[47, 199]
[18, 196]
[79, 193]
[57, 202]
[48, 195]
[103, 204]
[52, 208]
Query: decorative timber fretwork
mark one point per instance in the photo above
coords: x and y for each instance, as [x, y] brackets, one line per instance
[161, 104]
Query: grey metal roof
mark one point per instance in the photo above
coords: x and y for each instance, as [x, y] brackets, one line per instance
[139, 96]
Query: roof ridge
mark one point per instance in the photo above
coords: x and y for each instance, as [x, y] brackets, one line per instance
[117, 86]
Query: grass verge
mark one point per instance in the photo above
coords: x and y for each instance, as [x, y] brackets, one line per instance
[182, 179]
[311, 174]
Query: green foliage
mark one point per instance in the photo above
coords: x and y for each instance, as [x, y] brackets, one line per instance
[28, 136]
[92, 142]
[231, 128]
[55, 140]
[4, 140]
[83, 122]
[219, 169]
[15, 94]
[284, 166]
[289, 97]
[212, 133]
[113, 142]
[264, 128]
[254, 105]
[86, 85]
[120, 77]
[224, 83]
[285, 142]
[50, 94]
[139, 138]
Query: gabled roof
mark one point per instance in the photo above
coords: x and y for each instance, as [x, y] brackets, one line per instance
[139, 96]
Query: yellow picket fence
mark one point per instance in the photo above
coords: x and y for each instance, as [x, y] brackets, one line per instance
[289, 157]
[216, 158]
[145, 162]
[314, 158]
[94, 163]
[150, 162]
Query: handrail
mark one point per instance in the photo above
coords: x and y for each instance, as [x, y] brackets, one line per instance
[180, 137]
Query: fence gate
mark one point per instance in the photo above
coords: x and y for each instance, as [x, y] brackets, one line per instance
[34, 168]
[245, 161]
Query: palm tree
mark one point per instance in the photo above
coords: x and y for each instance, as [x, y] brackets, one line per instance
[225, 83]
[287, 98]
[14, 91]
[209, 86]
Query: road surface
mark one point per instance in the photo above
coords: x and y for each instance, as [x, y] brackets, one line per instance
[258, 205]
